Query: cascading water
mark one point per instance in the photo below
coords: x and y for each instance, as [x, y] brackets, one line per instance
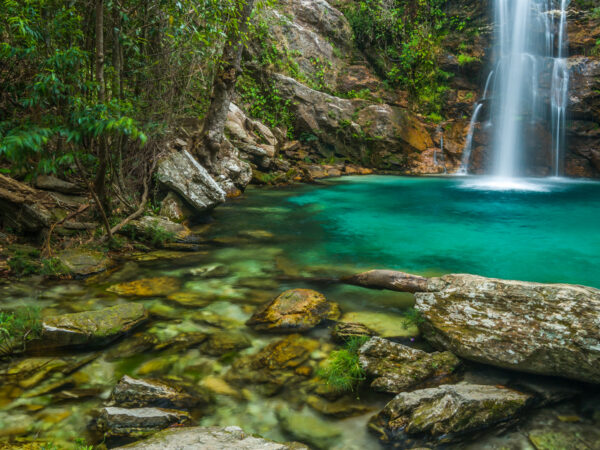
[528, 84]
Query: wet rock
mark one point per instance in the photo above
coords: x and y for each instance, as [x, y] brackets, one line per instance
[84, 262]
[308, 428]
[293, 311]
[209, 438]
[343, 331]
[219, 386]
[221, 343]
[147, 287]
[210, 271]
[397, 368]
[135, 393]
[183, 341]
[386, 325]
[91, 327]
[180, 172]
[275, 366]
[552, 439]
[549, 329]
[153, 227]
[136, 422]
[133, 345]
[340, 409]
[446, 414]
[190, 299]
[173, 208]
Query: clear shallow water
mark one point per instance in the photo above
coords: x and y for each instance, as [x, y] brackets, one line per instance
[545, 230]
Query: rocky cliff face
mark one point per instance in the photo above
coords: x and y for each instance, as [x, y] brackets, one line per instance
[342, 109]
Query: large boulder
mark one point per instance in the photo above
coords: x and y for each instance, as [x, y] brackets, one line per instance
[92, 328]
[180, 172]
[397, 368]
[209, 438]
[294, 311]
[550, 329]
[446, 414]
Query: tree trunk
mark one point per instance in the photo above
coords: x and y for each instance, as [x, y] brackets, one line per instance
[224, 86]
[389, 279]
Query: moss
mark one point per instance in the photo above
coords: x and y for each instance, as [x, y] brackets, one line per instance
[342, 370]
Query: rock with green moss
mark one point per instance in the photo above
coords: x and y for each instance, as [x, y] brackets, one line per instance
[446, 414]
[209, 438]
[549, 329]
[296, 310]
[94, 328]
[223, 342]
[135, 393]
[308, 428]
[397, 368]
[343, 331]
[553, 439]
[147, 287]
[83, 261]
[384, 324]
[347, 406]
[138, 422]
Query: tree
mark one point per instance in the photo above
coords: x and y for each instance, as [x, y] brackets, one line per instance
[224, 83]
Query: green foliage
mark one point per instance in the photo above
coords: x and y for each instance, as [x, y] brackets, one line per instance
[157, 235]
[342, 370]
[28, 262]
[17, 327]
[414, 317]
[403, 40]
[463, 59]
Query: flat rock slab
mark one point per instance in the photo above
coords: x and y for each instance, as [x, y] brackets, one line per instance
[124, 422]
[294, 311]
[84, 262]
[90, 327]
[396, 368]
[209, 438]
[550, 329]
[132, 392]
[147, 287]
[446, 414]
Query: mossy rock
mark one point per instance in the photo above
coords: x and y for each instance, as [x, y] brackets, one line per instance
[147, 287]
[386, 325]
[93, 328]
[296, 310]
[84, 262]
[308, 429]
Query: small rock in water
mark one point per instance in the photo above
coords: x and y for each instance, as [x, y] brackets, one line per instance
[224, 342]
[147, 287]
[293, 311]
[340, 409]
[343, 331]
[84, 262]
[397, 368]
[308, 428]
[136, 422]
[446, 414]
[135, 393]
[210, 271]
[386, 325]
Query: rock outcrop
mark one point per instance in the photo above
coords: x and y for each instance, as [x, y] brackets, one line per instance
[446, 414]
[549, 329]
[92, 328]
[397, 368]
[293, 311]
[138, 422]
[209, 438]
[181, 172]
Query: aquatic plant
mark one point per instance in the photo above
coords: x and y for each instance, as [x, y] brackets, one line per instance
[342, 370]
[17, 327]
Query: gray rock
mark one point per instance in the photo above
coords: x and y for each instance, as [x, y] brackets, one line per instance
[180, 172]
[51, 183]
[149, 226]
[550, 329]
[209, 438]
[135, 422]
[90, 327]
[446, 414]
[131, 392]
[397, 368]
[173, 208]
[83, 261]
[343, 331]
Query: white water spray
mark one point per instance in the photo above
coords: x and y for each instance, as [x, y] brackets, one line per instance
[529, 83]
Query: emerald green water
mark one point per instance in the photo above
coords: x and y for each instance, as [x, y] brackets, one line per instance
[539, 230]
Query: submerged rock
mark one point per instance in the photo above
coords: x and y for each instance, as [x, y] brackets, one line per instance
[343, 331]
[445, 414]
[340, 409]
[147, 287]
[180, 172]
[386, 325]
[84, 262]
[224, 342]
[308, 428]
[293, 311]
[550, 329]
[209, 438]
[279, 364]
[397, 368]
[90, 327]
[135, 422]
[134, 393]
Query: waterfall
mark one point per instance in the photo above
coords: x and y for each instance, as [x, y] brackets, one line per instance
[528, 84]
[464, 166]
